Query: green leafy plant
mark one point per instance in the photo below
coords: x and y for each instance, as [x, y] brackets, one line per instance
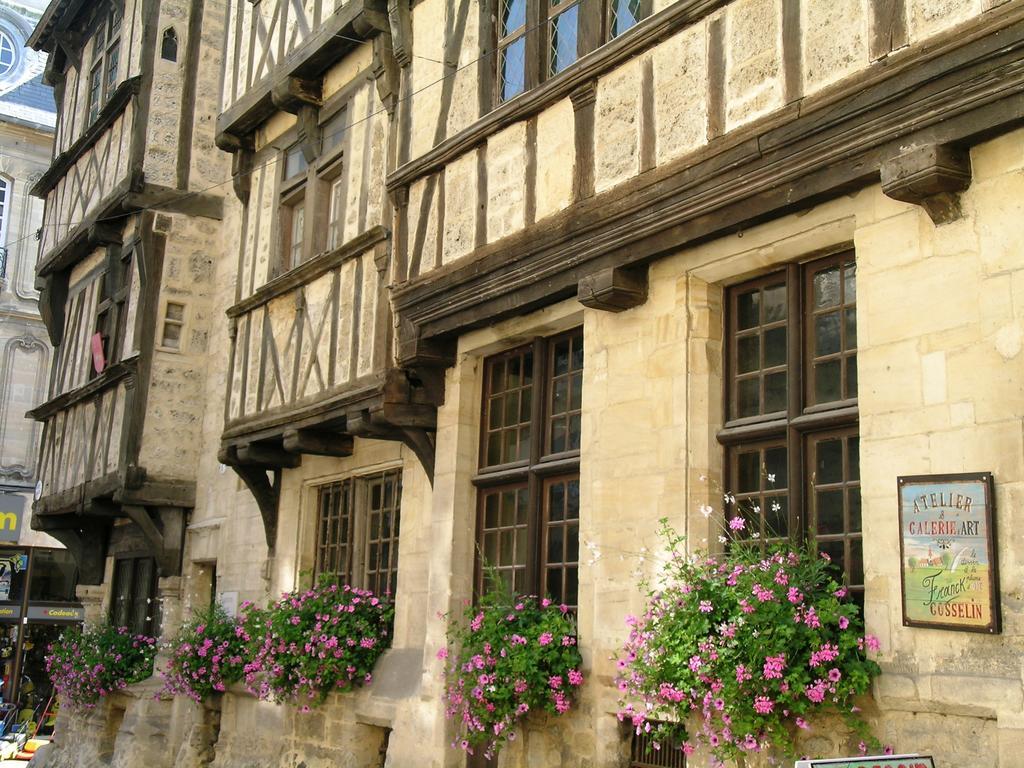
[88, 663]
[312, 642]
[206, 655]
[508, 656]
[746, 645]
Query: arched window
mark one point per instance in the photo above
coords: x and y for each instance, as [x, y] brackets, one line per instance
[8, 53]
[169, 45]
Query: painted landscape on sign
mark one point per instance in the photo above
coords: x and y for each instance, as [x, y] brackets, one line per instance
[946, 568]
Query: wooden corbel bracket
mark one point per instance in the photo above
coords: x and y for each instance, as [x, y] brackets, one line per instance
[265, 488]
[615, 289]
[932, 176]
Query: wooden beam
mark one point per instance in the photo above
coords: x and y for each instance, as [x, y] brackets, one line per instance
[267, 456]
[290, 94]
[318, 442]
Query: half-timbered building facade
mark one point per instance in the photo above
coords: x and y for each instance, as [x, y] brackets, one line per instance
[509, 281]
[127, 247]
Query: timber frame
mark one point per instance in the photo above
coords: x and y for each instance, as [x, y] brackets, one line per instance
[294, 80]
[955, 91]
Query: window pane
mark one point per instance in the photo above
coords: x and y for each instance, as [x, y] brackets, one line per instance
[826, 288]
[295, 162]
[850, 315]
[826, 334]
[332, 132]
[774, 347]
[776, 516]
[335, 225]
[564, 29]
[513, 16]
[512, 69]
[776, 468]
[748, 306]
[624, 15]
[775, 303]
[749, 472]
[749, 397]
[748, 354]
[827, 382]
[829, 512]
[774, 392]
[112, 64]
[829, 461]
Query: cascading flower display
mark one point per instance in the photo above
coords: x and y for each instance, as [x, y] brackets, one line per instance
[88, 663]
[206, 655]
[509, 656]
[310, 643]
[736, 652]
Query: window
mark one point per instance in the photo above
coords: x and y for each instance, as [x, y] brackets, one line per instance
[529, 483]
[313, 193]
[358, 522]
[8, 54]
[537, 39]
[106, 55]
[5, 204]
[174, 322]
[169, 45]
[643, 754]
[792, 447]
[112, 293]
[133, 595]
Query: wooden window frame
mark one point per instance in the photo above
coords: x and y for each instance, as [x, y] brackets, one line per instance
[363, 565]
[311, 188]
[6, 198]
[106, 59]
[534, 474]
[802, 425]
[119, 591]
[594, 29]
[111, 319]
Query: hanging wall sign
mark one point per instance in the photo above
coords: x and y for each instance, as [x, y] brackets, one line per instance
[950, 578]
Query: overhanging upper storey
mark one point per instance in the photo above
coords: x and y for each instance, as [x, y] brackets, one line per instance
[309, 99]
[586, 155]
[277, 51]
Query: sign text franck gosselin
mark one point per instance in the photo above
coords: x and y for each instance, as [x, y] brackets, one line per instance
[947, 552]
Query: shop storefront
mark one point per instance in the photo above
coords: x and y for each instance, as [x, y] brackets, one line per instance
[37, 601]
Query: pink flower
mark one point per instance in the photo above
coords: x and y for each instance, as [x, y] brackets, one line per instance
[705, 606]
[801, 723]
[575, 677]
[834, 675]
[545, 638]
[843, 622]
[737, 524]
[763, 705]
[773, 666]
